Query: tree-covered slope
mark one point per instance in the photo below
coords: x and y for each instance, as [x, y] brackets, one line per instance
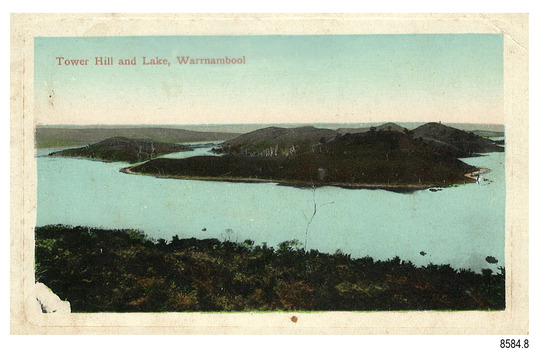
[122, 149]
[99, 270]
[377, 158]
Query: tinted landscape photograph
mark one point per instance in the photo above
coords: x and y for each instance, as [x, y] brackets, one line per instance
[271, 174]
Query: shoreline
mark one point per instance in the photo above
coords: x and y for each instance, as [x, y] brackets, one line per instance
[400, 188]
[476, 172]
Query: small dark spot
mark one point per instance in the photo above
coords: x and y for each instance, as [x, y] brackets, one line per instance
[423, 253]
[204, 229]
[491, 260]
[294, 319]
[51, 99]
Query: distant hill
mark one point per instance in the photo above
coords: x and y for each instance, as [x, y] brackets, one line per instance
[383, 127]
[454, 142]
[277, 141]
[489, 133]
[123, 149]
[390, 127]
[48, 137]
[343, 131]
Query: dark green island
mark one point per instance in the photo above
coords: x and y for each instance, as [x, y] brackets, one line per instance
[387, 157]
[100, 270]
[122, 149]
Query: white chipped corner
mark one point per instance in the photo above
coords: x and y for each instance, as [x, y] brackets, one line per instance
[49, 302]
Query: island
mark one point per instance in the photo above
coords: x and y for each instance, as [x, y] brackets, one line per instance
[122, 149]
[455, 142]
[386, 157]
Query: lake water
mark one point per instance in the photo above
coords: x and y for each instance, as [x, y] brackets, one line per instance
[459, 226]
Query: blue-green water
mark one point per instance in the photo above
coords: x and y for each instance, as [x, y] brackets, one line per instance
[459, 226]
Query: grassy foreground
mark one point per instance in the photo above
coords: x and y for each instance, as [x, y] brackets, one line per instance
[100, 270]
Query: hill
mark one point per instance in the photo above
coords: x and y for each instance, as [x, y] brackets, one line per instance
[122, 149]
[391, 127]
[343, 131]
[376, 159]
[276, 141]
[454, 142]
[489, 133]
[47, 137]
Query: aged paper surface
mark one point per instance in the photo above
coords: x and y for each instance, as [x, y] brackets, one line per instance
[25, 28]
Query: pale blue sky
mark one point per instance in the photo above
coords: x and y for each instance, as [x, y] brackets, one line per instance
[341, 78]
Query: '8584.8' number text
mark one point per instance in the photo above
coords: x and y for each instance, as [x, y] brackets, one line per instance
[514, 344]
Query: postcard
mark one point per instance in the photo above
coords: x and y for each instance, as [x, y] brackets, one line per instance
[269, 174]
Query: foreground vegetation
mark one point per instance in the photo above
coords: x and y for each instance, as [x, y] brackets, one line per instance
[100, 270]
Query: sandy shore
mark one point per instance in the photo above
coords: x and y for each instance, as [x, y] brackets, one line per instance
[473, 175]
